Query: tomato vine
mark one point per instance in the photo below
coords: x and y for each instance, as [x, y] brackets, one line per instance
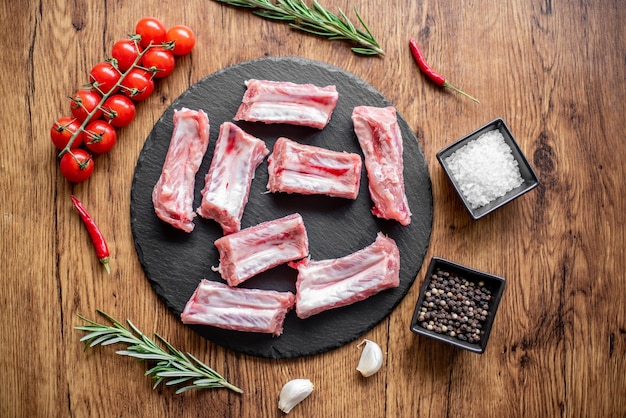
[135, 63]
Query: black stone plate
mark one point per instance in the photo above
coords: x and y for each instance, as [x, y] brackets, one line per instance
[175, 262]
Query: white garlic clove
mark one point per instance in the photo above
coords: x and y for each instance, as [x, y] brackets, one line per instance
[371, 358]
[294, 392]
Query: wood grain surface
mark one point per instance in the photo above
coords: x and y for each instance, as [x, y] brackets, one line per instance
[554, 71]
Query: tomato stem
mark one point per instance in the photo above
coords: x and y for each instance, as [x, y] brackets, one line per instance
[93, 137]
[60, 128]
[96, 86]
[108, 113]
[168, 45]
[153, 70]
[81, 164]
[132, 91]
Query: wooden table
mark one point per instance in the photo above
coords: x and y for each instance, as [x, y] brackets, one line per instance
[553, 71]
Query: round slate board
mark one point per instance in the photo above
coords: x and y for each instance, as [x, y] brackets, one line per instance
[175, 262]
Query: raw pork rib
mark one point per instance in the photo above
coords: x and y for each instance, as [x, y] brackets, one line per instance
[174, 191]
[381, 141]
[227, 185]
[261, 247]
[284, 102]
[329, 284]
[251, 310]
[305, 169]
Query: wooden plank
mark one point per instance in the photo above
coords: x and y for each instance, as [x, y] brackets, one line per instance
[555, 73]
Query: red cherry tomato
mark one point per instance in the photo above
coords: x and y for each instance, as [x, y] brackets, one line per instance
[183, 38]
[76, 165]
[103, 76]
[84, 102]
[62, 131]
[100, 137]
[118, 110]
[151, 30]
[125, 51]
[159, 61]
[138, 84]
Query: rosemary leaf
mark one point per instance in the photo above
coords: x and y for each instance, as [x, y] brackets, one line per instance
[322, 11]
[92, 335]
[157, 382]
[305, 28]
[274, 16]
[184, 389]
[363, 51]
[178, 381]
[97, 341]
[172, 366]
[347, 22]
[242, 3]
[140, 354]
[315, 20]
[118, 340]
[369, 32]
[338, 37]
[177, 374]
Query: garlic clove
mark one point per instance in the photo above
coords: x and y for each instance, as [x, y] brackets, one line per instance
[294, 392]
[371, 358]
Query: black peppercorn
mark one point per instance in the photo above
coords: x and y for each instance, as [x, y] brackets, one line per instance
[455, 306]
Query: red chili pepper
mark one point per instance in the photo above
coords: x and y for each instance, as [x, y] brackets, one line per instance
[99, 243]
[430, 73]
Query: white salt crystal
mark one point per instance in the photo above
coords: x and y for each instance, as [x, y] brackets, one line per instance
[485, 169]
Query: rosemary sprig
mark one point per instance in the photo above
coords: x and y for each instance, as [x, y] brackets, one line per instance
[172, 365]
[315, 20]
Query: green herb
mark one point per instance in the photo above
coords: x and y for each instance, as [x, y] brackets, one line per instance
[170, 363]
[315, 20]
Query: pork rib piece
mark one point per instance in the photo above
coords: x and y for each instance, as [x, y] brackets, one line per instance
[227, 185]
[381, 141]
[305, 169]
[328, 284]
[250, 310]
[173, 193]
[285, 102]
[253, 250]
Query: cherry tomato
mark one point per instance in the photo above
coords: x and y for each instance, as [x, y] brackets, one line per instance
[138, 84]
[159, 61]
[118, 110]
[125, 51]
[151, 30]
[84, 102]
[62, 131]
[76, 165]
[100, 136]
[103, 76]
[183, 38]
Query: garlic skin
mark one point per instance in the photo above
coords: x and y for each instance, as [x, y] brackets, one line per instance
[294, 392]
[371, 358]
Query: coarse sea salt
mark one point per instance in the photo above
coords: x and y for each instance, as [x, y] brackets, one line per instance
[485, 169]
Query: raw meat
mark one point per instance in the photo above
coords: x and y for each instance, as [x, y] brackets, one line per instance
[381, 141]
[328, 284]
[305, 169]
[227, 185]
[250, 310]
[285, 102]
[173, 193]
[253, 250]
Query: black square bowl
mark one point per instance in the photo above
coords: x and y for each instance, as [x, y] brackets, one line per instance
[456, 311]
[530, 179]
